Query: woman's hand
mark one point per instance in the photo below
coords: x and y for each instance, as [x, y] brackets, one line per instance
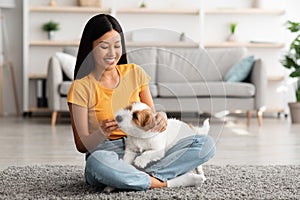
[108, 126]
[161, 122]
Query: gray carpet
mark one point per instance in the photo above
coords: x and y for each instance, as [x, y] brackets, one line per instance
[224, 182]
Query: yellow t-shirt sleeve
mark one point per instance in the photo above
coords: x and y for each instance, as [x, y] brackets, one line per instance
[78, 94]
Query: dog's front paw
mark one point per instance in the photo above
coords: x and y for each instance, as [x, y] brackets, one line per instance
[199, 171]
[141, 161]
[108, 189]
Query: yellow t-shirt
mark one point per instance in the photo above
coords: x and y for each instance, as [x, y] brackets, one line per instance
[101, 102]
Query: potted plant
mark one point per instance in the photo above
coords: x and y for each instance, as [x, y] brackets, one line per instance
[291, 61]
[182, 37]
[50, 27]
[232, 37]
[143, 4]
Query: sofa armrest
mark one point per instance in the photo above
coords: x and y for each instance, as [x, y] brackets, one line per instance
[259, 79]
[54, 79]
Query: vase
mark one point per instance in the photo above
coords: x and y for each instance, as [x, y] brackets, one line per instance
[52, 3]
[182, 37]
[256, 3]
[51, 35]
[232, 38]
[89, 3]
[295, 112]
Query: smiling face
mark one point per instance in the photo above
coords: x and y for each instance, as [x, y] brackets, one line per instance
[107, 50]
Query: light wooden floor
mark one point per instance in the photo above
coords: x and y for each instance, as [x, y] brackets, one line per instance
[27, 141]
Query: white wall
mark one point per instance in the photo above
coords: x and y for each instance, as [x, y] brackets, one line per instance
[14, 27]
[13, 21]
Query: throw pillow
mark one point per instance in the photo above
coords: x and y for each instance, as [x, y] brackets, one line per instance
[240, 70]
[67, 62]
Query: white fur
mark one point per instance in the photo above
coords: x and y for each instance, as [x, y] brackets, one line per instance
[143, 147]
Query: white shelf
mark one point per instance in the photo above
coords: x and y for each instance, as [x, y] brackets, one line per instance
[39, 109]
[54, 43]
[129, 44]
[275, 78]
[72, 9]
[161, 44]
[165, 44]
[243, 44]
[242, 11]
[159, 11]
[37, 76]
[247, 11]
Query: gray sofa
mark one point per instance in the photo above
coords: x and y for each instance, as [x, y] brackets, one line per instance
[182, 80]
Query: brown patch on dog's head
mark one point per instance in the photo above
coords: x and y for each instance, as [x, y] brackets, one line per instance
[129, 107]
[144, 119]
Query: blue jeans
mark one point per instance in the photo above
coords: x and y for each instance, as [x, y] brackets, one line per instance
[104, 166]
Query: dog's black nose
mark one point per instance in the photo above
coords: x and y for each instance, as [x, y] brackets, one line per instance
[119, 118]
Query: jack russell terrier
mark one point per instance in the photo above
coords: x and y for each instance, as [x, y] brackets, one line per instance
[142, 145]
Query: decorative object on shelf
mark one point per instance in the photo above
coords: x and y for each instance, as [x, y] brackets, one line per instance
[232, 37]
[52, 3]
[89, 3]
[50, 27]
[256, 3]
[143, 4]
[291, 61]
[182, 37]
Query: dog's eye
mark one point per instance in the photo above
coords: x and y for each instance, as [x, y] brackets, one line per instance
[134, 116]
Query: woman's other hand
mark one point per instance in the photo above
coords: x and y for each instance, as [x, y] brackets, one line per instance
[161, 122]
[108, 126]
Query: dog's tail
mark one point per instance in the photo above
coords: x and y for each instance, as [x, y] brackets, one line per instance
[204, 129]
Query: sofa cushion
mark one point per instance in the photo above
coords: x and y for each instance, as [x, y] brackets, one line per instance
[195, 64]
[240, 70]
[67, 63]
[71, 50]
[206, 89]
[153, 89]
[184, 64]
[225, 58]
[64, 88]
[144, 57]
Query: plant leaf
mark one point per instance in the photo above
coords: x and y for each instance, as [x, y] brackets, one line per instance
[293, 26]
[288, 62]
[295, 73]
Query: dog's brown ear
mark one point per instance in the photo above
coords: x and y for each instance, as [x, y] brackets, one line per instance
[149, 121]
[129, 107]
[144, 119]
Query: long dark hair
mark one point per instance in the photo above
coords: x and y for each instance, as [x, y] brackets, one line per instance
[95, 28]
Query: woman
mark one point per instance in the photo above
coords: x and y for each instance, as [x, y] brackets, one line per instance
[104, 83]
